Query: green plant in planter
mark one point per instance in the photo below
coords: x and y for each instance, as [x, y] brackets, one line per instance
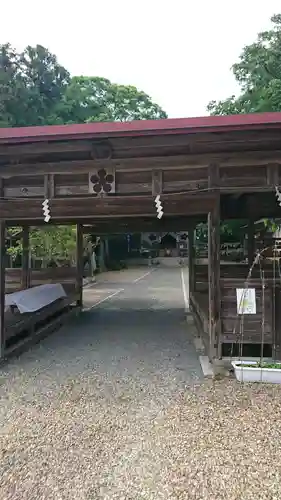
[260, 364]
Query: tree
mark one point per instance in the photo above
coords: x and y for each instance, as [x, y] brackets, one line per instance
[36, 90]
[258, 73]
[89, 99]
[46, 81]
[52, 243]
[32, 85]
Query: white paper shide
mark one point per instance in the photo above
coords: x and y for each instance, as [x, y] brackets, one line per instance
[246, 300]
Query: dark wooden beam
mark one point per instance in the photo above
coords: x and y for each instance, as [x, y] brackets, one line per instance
[230, 159]
[251, 240]
[79, 264]
[2, 280]
[237, 138]
[109, 207]
[230, 139]
[38, 148]
[25, 257]
[191, 257]
[214, 268]
[2, 288]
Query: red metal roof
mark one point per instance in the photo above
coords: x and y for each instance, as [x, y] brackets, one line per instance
[140, 127]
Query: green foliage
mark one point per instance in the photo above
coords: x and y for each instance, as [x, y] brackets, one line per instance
[53, 243]
[89, 99]
[50, 243]
[36, 90]
[32, 83]
[258, 73]
[261, 364]
[230, 231]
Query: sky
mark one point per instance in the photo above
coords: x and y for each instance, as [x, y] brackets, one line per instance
[180, 52]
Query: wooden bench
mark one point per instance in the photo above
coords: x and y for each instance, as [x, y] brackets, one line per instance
[28, 328]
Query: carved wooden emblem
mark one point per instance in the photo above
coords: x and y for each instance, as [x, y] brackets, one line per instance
[102, 181]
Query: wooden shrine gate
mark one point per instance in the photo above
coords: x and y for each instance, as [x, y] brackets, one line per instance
[107, 175]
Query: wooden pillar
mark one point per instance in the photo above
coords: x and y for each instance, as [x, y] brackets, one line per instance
[79, 264]
[251, 241]
[191, 258]
[214, 268]
[2, 287]
[25, 257]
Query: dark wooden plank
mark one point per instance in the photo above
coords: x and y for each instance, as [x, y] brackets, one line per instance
[214, 266]
[79, 264]
[109, 206]
[25, 257]
[34, 337]
[2, 286]
[188, 179]
[24, 186]
[64, 275]
[71, 184]
[251, 241]
[170, 162]
[247, 176]
[133, 182]
[191, 258]
[196, 140]
[44, 147]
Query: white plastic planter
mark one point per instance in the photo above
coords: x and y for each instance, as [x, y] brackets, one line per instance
[256, 374]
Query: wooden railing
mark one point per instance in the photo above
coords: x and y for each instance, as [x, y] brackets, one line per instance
[64, 275]
[232, 330]
[235, 271]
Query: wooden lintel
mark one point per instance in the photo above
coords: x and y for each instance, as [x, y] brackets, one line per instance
[115, 206]
[251, 158]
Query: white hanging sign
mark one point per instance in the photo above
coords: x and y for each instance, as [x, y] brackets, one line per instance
[246, 301]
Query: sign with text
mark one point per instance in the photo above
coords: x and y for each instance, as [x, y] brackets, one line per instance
[246, 300]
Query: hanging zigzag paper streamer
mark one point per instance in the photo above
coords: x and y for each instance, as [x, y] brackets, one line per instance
[159, 207]
[46, 210]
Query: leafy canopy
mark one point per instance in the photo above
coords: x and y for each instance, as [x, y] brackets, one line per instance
[258, 73]
[36, 90]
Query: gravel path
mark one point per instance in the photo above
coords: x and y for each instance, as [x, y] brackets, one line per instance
[115, 407]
